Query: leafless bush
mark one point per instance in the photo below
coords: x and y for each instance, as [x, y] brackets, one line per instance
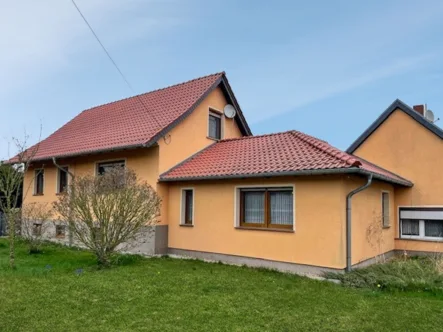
[12, 190]
[374, 237]
[35, 224]
[108, 211]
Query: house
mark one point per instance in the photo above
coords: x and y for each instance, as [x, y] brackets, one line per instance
[284, 200]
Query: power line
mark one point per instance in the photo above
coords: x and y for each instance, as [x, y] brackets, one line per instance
[114, 63]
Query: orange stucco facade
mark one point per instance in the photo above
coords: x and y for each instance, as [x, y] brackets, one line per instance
[407, 148]
[319, 235]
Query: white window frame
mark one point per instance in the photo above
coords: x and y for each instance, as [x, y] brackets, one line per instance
[219, 114]
[35, 181]
[389, 209]
[237, 190]
[182, 206]
[421, 226]
[107, 161]
[57, 183]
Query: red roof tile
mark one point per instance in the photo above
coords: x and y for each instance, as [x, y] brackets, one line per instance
[129, 122]
[289, 152]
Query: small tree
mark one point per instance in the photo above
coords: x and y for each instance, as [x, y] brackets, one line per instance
[12, 190]
[108, 211]
[35, 223]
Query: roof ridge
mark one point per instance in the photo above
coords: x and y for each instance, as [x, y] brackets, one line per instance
[254, 136]
[156, 90]
[327, 148]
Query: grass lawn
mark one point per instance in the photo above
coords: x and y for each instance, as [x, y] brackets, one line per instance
[47, 292]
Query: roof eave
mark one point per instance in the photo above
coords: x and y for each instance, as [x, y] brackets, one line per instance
[91, 152]
[332, 171]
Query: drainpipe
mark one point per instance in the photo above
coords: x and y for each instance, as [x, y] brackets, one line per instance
[349, 222]
[71, 237]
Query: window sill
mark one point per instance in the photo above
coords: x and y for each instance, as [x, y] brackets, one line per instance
[186, 225]
[38, 195]
[386, 227]
[213, 139]
[283, 230]
[419, 240]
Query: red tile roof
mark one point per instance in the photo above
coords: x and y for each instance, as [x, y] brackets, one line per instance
[287, 153]
[130, 122]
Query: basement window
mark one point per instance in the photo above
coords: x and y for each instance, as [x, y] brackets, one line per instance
[60, 231]
[37, 229]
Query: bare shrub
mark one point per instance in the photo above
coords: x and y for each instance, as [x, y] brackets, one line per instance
[108, 210]
[12, 190]
[374, 237]
[35, 224]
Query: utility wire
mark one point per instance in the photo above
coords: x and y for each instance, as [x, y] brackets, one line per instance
[114, 63]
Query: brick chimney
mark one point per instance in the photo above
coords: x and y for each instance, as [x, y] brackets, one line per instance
[420, 109]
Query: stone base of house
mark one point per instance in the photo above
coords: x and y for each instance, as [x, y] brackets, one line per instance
[295, 268]
[152, 240]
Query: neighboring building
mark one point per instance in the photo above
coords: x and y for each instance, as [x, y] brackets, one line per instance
[278, 200]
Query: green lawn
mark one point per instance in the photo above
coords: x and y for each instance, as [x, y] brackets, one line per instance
[48, 293]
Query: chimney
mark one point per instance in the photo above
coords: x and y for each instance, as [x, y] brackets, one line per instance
[421, 109]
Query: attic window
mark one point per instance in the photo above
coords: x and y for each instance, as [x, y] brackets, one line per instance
[214, 125]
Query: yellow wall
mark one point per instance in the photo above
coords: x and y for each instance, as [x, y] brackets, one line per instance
[190, 136]
[414, 245]
[319, 237]
[405, 147]
[367, 213]
[143, 161]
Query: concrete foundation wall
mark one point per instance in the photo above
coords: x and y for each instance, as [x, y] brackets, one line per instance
[152, 240]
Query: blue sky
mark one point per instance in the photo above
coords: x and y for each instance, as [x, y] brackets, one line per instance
[327, 68]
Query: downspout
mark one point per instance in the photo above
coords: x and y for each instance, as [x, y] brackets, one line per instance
[71, 238]
[349, 222]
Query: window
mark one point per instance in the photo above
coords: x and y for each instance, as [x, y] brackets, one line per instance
[62, 184]
[104, 167]
[267, 207]
[187, 217]
[39, 181]
[60, 231]
[37, 230]
[385, 209]
[214, 125]
[421, 223]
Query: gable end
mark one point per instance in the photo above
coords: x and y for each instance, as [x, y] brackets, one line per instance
[397, 104]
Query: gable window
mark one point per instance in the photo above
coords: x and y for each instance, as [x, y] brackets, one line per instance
[187, 215]
[385, 209]
[421, 223]
[62, 182]
[267, 208]
[39, 181]
[104, 167]
[214, 130]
